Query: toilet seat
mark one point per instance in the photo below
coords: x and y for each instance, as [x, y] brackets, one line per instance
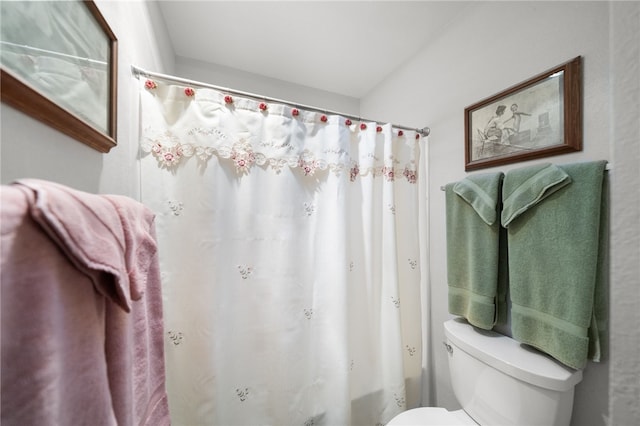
[425, 416]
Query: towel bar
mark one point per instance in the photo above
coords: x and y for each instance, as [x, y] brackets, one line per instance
[606, 168]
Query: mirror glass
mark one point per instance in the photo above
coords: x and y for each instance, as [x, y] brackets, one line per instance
[64, 51]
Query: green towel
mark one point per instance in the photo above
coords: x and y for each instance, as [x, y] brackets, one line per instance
[473, 250]
[556, 253]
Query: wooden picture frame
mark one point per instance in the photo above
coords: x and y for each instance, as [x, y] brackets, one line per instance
[66, 79]
[539, 117]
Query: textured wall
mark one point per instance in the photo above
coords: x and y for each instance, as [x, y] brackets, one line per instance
[624, 391]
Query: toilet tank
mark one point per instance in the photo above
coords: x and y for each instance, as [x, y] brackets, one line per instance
[499, 381]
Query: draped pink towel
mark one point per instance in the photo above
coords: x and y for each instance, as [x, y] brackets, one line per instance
[82, 330]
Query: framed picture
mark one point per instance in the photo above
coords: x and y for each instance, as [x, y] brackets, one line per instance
[59, 62]
[537, 118]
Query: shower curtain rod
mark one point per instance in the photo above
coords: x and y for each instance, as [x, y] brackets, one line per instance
[137, 72]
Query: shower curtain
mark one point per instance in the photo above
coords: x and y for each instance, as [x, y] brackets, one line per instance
[290, 259]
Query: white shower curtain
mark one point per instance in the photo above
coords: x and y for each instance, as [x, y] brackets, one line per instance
[291, 267]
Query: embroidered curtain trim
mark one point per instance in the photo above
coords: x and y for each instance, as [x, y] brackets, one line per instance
[170, 149]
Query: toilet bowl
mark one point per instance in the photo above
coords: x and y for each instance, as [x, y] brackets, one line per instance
[499, 381]
[432, 416]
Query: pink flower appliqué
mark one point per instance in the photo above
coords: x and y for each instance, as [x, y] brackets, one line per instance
[411, 175]
[243, 160]
[363, 126]
[295, 112]
[263, 106]
[150, 84]
[348, 122]
[400, 133]
[189, 91]
[308, 167]
[324, 118]
[378, 129]
[169, 158]
[389, 173]
[228, 100]
[354, 172]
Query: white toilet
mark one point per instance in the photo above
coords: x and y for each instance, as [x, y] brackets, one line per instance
[499, 381]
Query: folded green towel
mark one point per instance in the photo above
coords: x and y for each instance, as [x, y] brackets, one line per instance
[555, 240]
[528, 186]
[473, 250]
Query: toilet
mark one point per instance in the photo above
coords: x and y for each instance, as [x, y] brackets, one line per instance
[499, 381]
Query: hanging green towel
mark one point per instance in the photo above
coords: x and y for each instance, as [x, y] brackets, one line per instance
[556, 254]
[474, 250]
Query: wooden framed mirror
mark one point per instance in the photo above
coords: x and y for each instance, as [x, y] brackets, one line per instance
[59, 65]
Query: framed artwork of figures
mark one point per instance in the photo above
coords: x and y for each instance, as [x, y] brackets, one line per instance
[539, 117]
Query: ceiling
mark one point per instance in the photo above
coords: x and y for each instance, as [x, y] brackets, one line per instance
[345, 47]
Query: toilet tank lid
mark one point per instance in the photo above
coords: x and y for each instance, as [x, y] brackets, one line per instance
[511, 357]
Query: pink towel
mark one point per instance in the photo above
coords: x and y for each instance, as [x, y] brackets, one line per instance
[82, 331]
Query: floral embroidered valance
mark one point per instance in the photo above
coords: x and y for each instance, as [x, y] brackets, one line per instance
[185, 122]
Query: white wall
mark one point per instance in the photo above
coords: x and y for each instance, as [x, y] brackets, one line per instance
[624, 388]
[488, 48]
[257, 84]
[32, 150]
